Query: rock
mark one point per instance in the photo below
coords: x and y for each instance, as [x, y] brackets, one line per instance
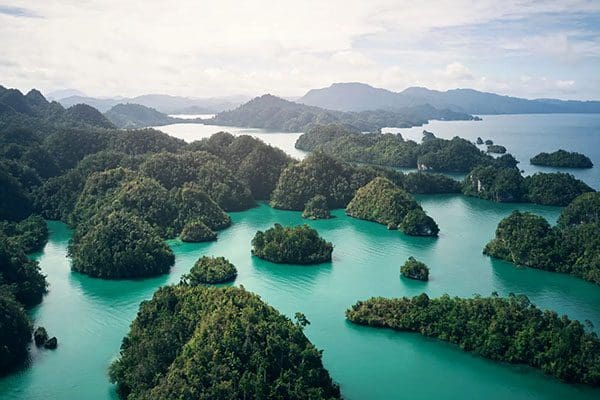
[489, 142]
[40, 336]
[392, 227]
[51, 343]
[479, 140]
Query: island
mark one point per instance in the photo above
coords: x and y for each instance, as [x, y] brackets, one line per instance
[414, 269]
[510, 330]
[316, 208]
[496, 148]
[572, 246]
[383, 202]
[562, 159]
[210, 270]
[177, 333]
[291, 245]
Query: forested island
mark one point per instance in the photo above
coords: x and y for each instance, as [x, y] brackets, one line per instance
[415, 269]
[572, 246]
[291, 245]
[316, 208]
[132, 116]
[562, 159]
[271, 112]
[388, 149]
[169, 352]
[382, 201]
[503, 329]
[210, 270]
[508, 185]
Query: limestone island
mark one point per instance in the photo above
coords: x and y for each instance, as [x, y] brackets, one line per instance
[496, 149]
[503, 329]
[291, 245]
[210, 270]
[197, 231]
[562, 159]
[382, 201]
[414, 269]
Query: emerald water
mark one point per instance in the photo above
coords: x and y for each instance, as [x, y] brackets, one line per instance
[91, 316]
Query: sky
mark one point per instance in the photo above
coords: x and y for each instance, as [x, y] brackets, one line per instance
[213, 48]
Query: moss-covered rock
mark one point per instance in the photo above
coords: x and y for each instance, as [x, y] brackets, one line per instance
[414, 269]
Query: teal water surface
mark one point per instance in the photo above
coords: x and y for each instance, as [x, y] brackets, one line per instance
[90, 316]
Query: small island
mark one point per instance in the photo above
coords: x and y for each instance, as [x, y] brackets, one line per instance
[210, 270]
[496, 149]
[218, 343]
[505, 331]
[197, 231]
[572, 246]
[383, 202]
[291, 245]
[414, 269]
[316, 208]
[562, 159]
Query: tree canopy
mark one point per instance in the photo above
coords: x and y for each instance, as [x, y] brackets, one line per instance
[291, 245]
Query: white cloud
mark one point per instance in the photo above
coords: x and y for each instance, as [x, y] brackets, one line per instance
[203, 48]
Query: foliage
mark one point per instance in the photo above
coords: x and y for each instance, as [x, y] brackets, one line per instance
[456, 155]
[497, 184]
[528, 239]
[137, 116]
[383, 202]
[504, 329]
[554, 189]
[87, 115]
[21, 274]
[210, 270]
[496, 148]
[428, 183]
[316, 208]
[414, 269]
[584, 209]
[562, 158]
[255, 163]
[192, 203]
[291, 245]
[217, 343]
[15, 333]
[142, 141]
[14, 202]
[30, 234]
[203, 169]
[197, 231]
[119, 244]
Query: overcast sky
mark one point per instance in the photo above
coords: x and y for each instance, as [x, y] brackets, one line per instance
[220, 47]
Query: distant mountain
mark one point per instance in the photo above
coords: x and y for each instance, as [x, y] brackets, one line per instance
[62, 93]
[270, 112]
[360, 97]
[162, 103]
[33, 111]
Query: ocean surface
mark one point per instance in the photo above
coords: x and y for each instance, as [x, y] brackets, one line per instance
[91, 316]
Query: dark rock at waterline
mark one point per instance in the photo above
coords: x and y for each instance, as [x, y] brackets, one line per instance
[51, 343]
[40, 336]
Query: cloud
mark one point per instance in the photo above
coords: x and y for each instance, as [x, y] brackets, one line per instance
[17, 12]
[112, 47]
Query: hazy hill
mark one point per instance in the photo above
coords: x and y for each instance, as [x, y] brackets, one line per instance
[162, 103]
[33, 111]
[359, 96]
[130, 116]
[271, 112]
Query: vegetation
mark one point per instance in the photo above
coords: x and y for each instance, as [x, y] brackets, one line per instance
[210, 270]
[503, 329]
[117, 245]
[197, 231]
[31, 234]
[316, 208]
[414, 269]
[270, 112]
[383, 202]
[508, 185]
[496, 148]
[428, 183]
[130, 116]
[15, 333]
[291, 245]
[572, 247]
[562, 158]
[170, 350]
[556, 189]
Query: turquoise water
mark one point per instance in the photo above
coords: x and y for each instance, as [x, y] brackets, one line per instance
[90, 316]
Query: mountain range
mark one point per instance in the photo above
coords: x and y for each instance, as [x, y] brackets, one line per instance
[360, 97]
